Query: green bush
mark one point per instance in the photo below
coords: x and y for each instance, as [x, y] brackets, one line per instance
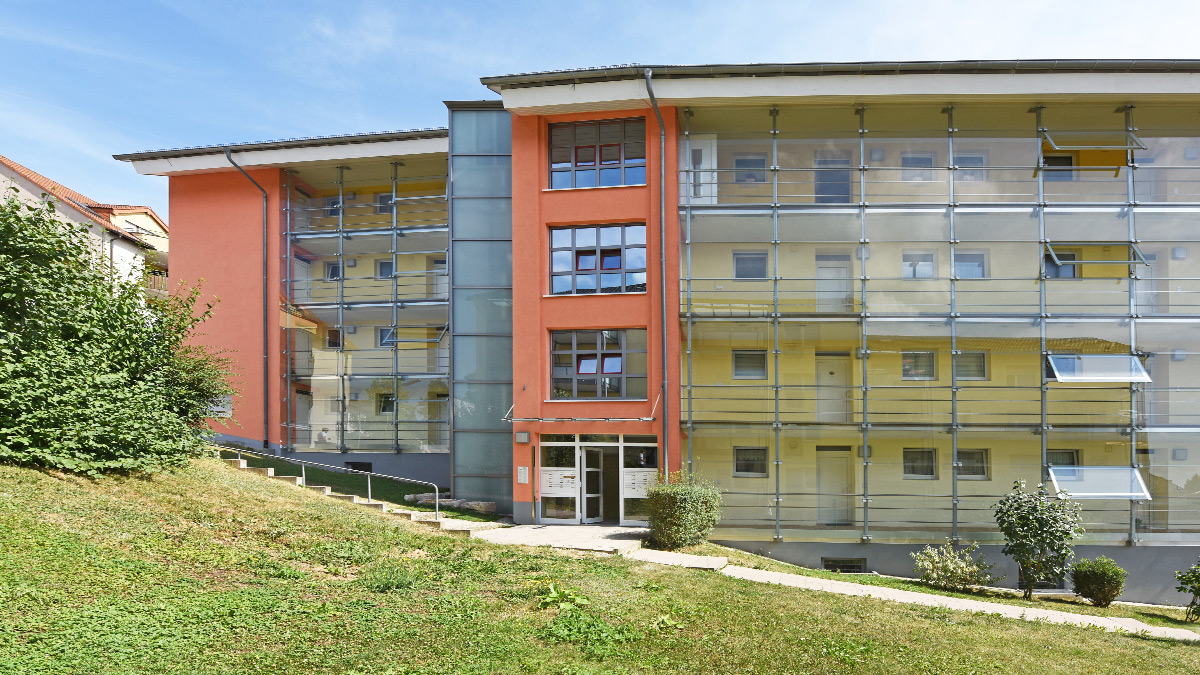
[683, 511]
[1189, 582]
[1038, 529]
[953, 569]
[1100, 581]
[94, 377]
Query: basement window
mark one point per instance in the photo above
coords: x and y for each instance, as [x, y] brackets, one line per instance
[1096, 368]
[845, 565]
[1099, 482]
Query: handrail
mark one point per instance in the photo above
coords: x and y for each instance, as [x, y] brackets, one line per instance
[437, 515]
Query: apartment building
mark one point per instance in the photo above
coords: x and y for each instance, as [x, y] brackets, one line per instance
[862, 298]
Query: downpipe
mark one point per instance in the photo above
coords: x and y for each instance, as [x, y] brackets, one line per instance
[662, 266]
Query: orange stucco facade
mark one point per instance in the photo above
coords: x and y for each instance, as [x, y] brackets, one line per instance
[536, 210]
[217, 232]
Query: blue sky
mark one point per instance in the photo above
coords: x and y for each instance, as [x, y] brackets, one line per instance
[84, 80]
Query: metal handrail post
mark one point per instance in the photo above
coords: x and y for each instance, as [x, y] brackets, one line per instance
[368, 488]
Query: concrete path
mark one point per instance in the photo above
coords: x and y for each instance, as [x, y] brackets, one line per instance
[963, 604]
[600, 538]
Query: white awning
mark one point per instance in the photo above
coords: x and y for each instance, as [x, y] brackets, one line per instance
[1099, 482]
[1097, 368]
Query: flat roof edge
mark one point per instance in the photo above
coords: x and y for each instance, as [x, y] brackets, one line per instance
[289, 143]
[488, 104]
[633, 71]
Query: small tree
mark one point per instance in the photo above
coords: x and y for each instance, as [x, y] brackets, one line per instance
[1189, 582]
[684, 511]
[1038, 529]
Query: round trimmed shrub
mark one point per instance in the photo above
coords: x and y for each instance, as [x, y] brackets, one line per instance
[683, 511]
[1100, 581]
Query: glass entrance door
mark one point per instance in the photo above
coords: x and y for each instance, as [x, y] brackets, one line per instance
[593, 482]
[558, 484]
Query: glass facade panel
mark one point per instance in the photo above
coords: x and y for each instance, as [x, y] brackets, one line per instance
[483, 218]
[482, 176]
[482, 358]
[483, 263]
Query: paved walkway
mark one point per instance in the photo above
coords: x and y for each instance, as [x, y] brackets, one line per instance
[627, 541]
[600, 538]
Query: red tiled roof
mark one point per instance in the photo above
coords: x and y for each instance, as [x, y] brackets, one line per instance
[90, 208]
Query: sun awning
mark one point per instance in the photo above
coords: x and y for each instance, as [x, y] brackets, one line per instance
[1099, 482]
[1093, 140]
[1097, 368]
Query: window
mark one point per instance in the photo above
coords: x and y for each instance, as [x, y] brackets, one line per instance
[385, 404]
[598, 364]
[334, 406]
[970, 264]
[920, 464]
[598, 259]
[750, 462]
[750, 167]
[1059, 168]
[384, 269]
[333, 206]
[1059, 265]
[598, 154]
[832, 180]
[749, 365]
[918, 366]
[845, 565]
[916, 166]
[917, 265]
[333, 271]
[383, 203]
[749, 264]
[385, 336]
[971, 366]
[1064, 458]
[1096, 368]
[359, 466]
[333, 338]
[970, 167]
[973, 465]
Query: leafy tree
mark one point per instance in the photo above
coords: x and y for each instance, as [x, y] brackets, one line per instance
[94, 376]
[1038, 529]
[1189, 582]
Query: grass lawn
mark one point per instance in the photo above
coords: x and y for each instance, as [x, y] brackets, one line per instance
[382, 489]
[211, 570]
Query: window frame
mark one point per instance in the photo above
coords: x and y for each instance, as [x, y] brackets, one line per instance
[734, 354]
[335, 338]
[385, 337]
[762, 254]
[333, 271]
[381, 401]
[976, 173]
[626, 273]
[987, 371]
[624, 164]
[599, 351]
[751, 175]
[332, 206]
[933, 365]
[933, 262]
[1055, 175]
[987, 464]
[1076, 458]
[986, 263]
[384, 203]
[933, 464]
[920, 173]
[766, 461]
[379, 263]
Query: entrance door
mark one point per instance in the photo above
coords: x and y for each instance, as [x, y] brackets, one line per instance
[593, 484]
[558, 484]
[835, 290]
[835, 485]
[301, 280]
[831, 183]
[302, 433]
[833, 392]
[702, 187]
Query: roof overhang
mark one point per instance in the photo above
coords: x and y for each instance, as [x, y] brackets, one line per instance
[624, 87]
[289, 152]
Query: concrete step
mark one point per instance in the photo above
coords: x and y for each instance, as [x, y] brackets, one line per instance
[235, 463]
[373, 505]
[290, 480]
[320, 489]
[457, 525]
[422, 516]
[267, 471]
[353, 499]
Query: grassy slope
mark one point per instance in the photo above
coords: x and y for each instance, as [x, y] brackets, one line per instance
[210, 570]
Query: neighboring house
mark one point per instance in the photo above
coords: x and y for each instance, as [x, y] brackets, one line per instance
[130, 237]
[887, 291]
